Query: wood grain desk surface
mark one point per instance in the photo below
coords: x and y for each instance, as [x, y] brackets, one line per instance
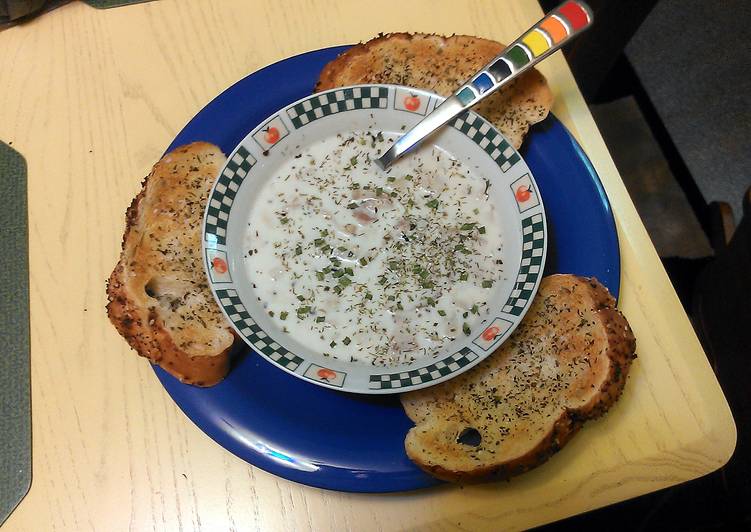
[91, 99]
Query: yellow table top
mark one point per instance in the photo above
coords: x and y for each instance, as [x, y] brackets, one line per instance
[91, 99]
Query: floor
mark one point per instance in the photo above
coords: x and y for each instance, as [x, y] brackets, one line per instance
[691, 57]
[661, 203]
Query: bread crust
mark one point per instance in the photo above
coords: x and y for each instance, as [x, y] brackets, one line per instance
[440, 64]
[605, 344]
[158, 299]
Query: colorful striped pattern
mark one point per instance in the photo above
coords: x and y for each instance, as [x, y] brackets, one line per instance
[555, 28]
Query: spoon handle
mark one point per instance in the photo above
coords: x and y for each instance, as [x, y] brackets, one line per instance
[556, 29]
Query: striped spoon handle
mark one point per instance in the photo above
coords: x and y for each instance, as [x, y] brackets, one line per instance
[556, 29]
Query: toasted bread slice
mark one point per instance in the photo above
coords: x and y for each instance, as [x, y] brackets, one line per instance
[442, 64]
[159, 299]
[566, 362]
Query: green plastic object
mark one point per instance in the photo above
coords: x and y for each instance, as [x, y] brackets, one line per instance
[15, 376]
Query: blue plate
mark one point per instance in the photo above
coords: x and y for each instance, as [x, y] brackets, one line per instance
[349, 442]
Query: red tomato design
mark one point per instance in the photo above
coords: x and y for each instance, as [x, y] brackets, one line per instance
[219, 265]
[272, 135]
[523, 193]
[490, 333]
[326, 374]
[412, 102]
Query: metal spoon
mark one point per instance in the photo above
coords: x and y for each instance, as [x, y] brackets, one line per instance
[556, 29]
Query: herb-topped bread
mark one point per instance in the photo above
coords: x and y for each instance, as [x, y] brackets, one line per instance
[442, 64]
[566, 363]
[159, 299]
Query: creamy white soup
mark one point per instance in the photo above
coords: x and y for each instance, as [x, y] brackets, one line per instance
[365, 265]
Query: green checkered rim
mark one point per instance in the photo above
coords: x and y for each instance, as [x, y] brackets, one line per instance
[220, 202]
[261, 341]
[488, 139]
[336, 101]
[533, 244]
[447, 366]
